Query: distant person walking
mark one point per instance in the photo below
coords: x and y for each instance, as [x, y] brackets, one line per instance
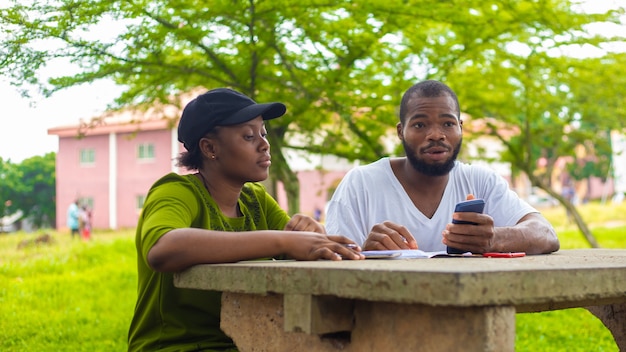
[73, 218]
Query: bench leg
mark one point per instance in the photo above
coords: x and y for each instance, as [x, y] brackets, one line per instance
[257, 323]
[384, 326]
[614, 318]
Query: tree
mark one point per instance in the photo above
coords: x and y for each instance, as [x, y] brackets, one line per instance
[29, 187]
[10, 187]
[299, 52]
[339, 66]
[38, 196]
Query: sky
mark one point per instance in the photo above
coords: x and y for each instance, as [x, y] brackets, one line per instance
[25, 121]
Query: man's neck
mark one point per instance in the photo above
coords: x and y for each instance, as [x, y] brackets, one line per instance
[424, 191]
[417, 182]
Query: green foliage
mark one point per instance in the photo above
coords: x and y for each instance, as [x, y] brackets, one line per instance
[39, 196]
[10, 187]
[340, 66]
[30, 187]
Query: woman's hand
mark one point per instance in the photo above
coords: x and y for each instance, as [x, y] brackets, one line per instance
[313, 246]
[308, 241]
[301, 222]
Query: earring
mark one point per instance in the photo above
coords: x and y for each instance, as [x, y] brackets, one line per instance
[213, 157]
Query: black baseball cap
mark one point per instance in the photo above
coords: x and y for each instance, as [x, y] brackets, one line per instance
[221, 107]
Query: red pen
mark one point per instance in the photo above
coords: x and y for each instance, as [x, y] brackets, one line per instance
[504, 254]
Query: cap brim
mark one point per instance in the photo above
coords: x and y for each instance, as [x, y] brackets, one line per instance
[268, 111]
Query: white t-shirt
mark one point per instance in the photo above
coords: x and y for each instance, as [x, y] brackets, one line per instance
[371, 194]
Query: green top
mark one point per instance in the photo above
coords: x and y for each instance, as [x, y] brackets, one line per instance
[175, 319]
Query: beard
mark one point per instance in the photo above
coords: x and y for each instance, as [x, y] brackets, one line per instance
[427, 169]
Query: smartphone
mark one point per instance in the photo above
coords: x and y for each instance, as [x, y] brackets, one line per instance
[473, 205]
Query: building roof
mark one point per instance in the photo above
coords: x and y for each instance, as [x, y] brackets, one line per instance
[157, 116]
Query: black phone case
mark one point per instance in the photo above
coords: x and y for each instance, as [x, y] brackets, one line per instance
[473, 205]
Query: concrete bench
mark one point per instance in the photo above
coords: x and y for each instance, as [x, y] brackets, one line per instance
[437, 304]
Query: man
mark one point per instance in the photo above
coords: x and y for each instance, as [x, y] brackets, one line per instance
[408, 202]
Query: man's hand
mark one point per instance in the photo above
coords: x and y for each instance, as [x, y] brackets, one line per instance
[389, 235]
[477, 238]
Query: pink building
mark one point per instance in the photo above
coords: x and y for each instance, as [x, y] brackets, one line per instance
[113, 164]
[111, 168]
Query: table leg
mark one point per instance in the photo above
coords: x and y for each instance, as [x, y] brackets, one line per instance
[614, 318]
[256, 323]
[384, 326]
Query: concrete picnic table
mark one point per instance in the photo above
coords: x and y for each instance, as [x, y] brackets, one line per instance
[434, 304]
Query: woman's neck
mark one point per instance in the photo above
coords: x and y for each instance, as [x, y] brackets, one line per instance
[225, 196]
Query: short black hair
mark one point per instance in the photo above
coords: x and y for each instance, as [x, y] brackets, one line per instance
[192, 159]
[427, 89]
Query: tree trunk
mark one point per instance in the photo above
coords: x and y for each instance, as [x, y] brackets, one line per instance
[573, 213]
[580, 223]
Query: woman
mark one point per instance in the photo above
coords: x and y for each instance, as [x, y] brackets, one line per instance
[217, 215]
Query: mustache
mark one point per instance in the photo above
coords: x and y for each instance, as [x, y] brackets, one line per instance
[436, 144]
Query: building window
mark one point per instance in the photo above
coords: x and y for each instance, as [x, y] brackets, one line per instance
[145, 151]
[87, 156]
[139, 200]
[86, 201]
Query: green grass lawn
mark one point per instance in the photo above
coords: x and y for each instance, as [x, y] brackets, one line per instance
[68, 296]
[79, 296]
